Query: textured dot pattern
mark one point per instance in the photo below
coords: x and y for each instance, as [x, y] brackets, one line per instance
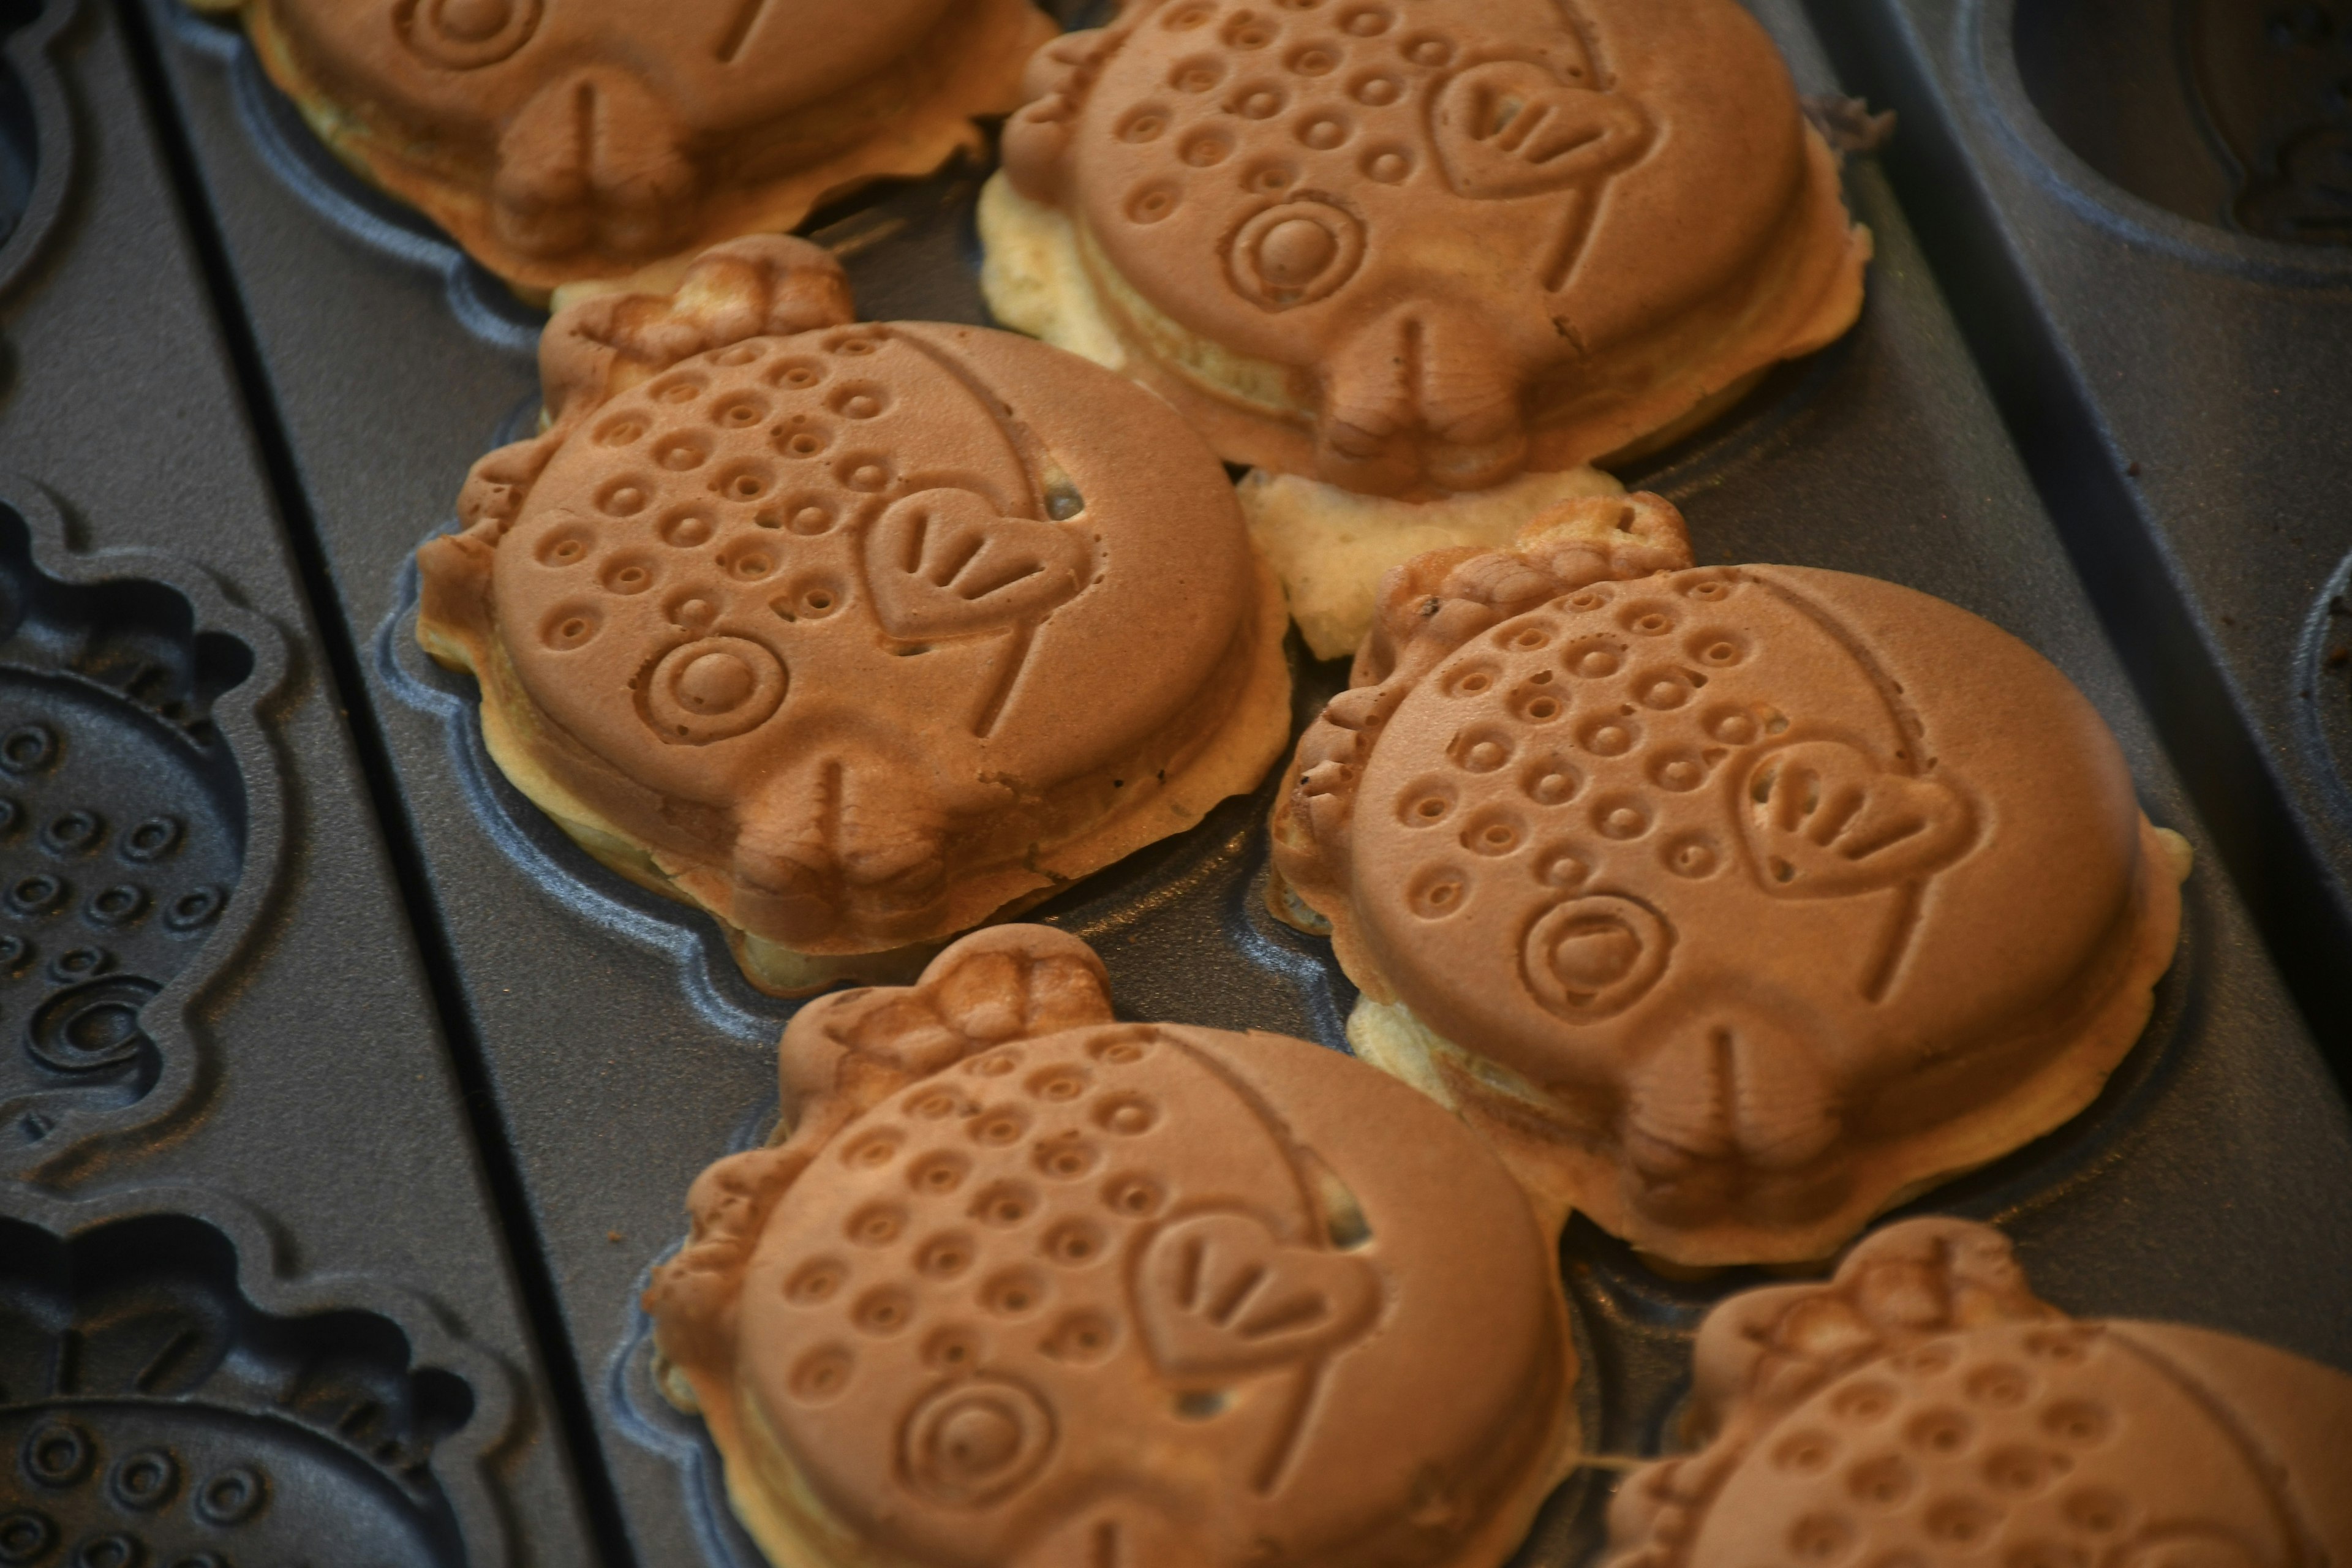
[694, 567]
[601, 137]
[724, 499]
[141, 1483]
[861, 631]
[1284, 137]
[960, 1268]
[1433, 231]
[117, 861]
[2018, 1446]
[1574, 786]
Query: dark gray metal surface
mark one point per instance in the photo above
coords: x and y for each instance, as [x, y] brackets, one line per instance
[2178, 377]
[2211, 1184]
[302, 1107]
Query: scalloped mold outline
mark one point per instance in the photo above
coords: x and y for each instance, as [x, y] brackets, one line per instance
[645, 1417]
[166, 1398]
[2322, 714]
[1568, 1523]
[481, 304]
[141, 828]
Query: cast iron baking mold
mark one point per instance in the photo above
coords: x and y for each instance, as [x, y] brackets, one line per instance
[2230, 115]
[1223, 850]
[207, 976]
[2141, 212]
[166, 1400]
[139, 826]
[2211, 1183]
[476, 299]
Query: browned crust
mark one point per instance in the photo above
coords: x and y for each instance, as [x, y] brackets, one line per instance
[1802, 296]
[1713, 243]
[1223, 745]
[904, 122]
[1230, 731]
[2049, 1065]
[1937, 1287]
[846, 1054]
[2061, 1067]
[1429, 606]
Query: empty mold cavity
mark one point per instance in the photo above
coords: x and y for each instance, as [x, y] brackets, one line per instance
[122, 832]
[151, 1415]
[2236, 113]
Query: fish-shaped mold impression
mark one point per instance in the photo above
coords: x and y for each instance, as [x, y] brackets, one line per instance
[1026, 1285]
[1737, 903]
[853, 634]
[562, 139]
[137, 792]
[168, 1401]
[1923, 1406]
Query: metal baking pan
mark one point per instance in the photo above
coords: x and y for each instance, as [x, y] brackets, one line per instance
[2213, 1181]
[254, 1297]
[2141, 211]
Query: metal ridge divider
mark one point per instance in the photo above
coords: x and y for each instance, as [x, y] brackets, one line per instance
[566, 1380]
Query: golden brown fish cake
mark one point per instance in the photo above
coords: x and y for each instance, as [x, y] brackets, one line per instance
[854, 635]
[1027, 1287]
[1923, 1407]
[1414, 251]
[562, 139]
[1736, 904]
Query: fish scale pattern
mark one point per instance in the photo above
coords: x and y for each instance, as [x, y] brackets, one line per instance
[1289, 102]
[1331, 111]
[1922, 1406]
[705, 537]
[1559, 780]
[1027, 1286]
[118, 856]
[971, 1265]
[2008, 1445]
[814, 625]
[1739, 902]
